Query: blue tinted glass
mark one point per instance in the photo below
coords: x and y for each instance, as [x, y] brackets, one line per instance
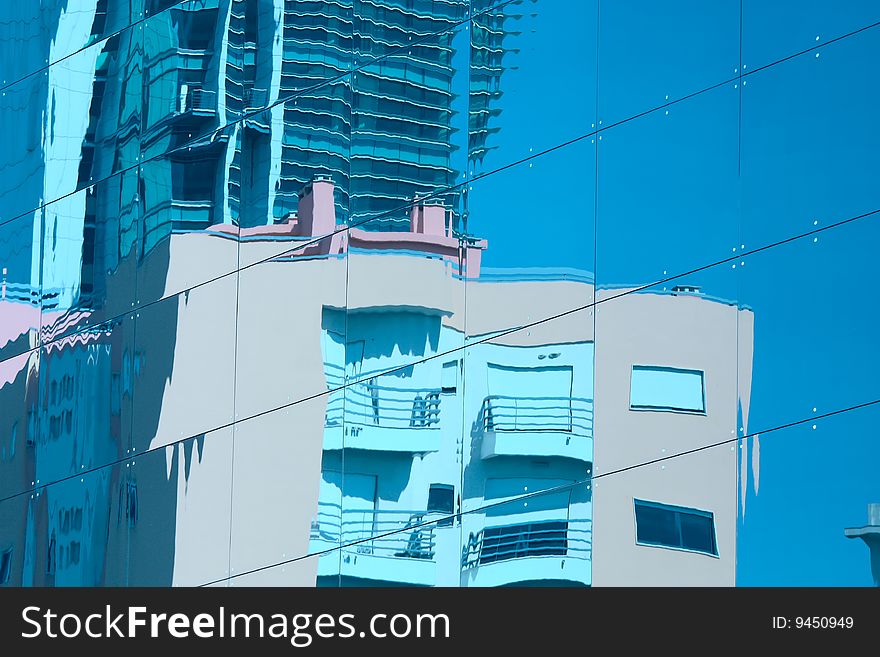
[179, 531]
[656, 525]
[675, 527]
[36, 35]
[697, 533]
[646, 52]
[775, 30]
[666, 388]
[20, 250]
[796, 178]
[778, 471]
[373, 292]
[77, 530]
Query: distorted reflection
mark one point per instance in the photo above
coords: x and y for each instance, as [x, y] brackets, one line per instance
[256, 307]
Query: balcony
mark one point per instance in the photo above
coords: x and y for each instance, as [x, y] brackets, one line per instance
[540, 551]
[403, 558]
[197, 101]
[384, 418]
[537, 426]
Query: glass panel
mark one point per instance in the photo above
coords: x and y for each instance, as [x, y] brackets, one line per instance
[315, 48]
[20, 264]
[528, 391]
[543, 539]
[781, 502]
[312, 174]
[670, 520]
[184, 365]
[188, 238]
[71, 533]
[194, 75]
[301, 248]
[179, 501]
[401, 431]
[646, 52]
[86, 397]
[72, 124]
[19, 426]
[22, 187]
[800, 367]
[280, 509]
[532, 80]
[774, 30]
[389, 27]
[33, 35]
[796, 178]
[89, 246]
[667, 197]
[297, 176]
[667, 210]
[408, 129]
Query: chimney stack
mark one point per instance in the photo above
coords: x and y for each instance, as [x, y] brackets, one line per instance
[316, 212]
[428, 218]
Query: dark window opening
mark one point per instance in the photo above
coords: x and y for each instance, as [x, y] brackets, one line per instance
[675, 527]
[449, 378]
[532, 539]
[441, 499]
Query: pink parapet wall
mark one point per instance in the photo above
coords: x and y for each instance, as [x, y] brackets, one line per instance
[430, 230]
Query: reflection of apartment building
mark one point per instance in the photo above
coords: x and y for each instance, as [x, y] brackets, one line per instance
[352, 393]
[439, 420]
[667, 386]
[434, 424]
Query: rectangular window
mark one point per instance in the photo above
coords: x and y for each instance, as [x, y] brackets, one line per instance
[676, 527]
[441, 499]
[666, 389]
[534, 539]
[449, 378]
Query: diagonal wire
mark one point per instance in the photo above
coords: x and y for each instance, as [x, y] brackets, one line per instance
[281, 100]
[105, 37]
[554, 489]
[433, 195]
[454, 350]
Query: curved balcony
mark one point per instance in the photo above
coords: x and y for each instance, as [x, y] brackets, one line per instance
[384, 418]
[538, 551]
[537, 426]
[404, 557]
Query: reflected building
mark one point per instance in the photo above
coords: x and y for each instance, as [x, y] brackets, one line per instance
[246, 327]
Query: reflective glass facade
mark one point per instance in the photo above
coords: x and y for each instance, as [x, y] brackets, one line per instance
[438, 293]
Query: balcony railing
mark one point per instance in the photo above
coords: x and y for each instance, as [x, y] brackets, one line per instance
[572, 539]
[196, 99]
[336, 526]
[372, 405]
[254, 97]
[572, 415]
